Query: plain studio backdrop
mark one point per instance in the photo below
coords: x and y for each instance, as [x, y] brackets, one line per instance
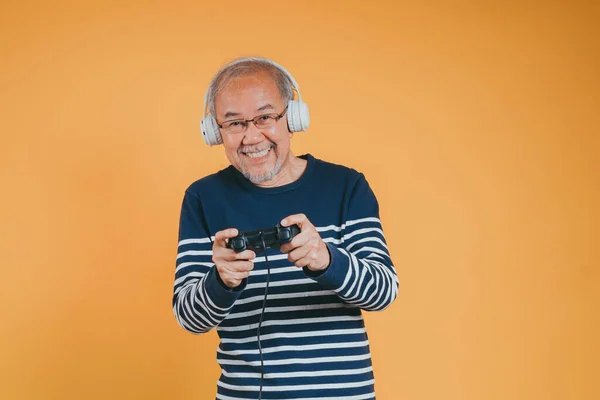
[476, 124]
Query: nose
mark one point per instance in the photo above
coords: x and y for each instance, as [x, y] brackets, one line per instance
[253, 135]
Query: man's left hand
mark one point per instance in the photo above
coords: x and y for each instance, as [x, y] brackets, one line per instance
[307, 249]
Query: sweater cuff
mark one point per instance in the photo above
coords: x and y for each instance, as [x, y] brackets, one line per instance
[333, 276]
[218, 292]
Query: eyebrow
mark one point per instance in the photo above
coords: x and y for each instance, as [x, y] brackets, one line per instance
[267, 106]
[230, 114]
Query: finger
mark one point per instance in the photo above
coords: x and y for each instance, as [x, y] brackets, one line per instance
[227, 254]
[244, 255]
[299, 219]
[300, 240]
[239, 266]
[222, 236]
[311, 259]
[228, 274]
[298, 253]
[304, 261]
[232, 279]
[229, 281]
[222, 254]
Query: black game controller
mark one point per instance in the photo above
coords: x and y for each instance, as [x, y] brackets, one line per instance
[273, 238]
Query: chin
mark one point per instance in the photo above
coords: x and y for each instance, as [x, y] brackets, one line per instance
[258, 177]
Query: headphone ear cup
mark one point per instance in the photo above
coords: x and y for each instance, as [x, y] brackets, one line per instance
[210, 131]
[298, 116]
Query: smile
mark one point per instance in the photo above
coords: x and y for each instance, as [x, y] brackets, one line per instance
[258, 154]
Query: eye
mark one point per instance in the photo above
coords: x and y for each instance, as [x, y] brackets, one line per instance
[232, 124]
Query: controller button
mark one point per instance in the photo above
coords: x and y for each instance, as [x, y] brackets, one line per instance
[286, 235]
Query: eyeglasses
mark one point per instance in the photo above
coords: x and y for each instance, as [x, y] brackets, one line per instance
[264, 121]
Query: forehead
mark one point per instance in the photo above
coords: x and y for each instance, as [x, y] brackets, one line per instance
[244, 95]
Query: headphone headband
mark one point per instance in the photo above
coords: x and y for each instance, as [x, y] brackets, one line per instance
[295, 85]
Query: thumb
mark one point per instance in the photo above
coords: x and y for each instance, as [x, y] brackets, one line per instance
[222, 236]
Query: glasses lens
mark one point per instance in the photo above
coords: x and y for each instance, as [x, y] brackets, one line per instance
[265, 121]
[234, 126]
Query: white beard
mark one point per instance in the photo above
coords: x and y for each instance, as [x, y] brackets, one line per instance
[260, 178]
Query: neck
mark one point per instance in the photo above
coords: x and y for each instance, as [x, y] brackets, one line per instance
[291, 170]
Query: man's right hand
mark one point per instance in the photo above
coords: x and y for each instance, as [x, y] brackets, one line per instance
[232, 267]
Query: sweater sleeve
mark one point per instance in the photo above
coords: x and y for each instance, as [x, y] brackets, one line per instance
[200, 300]
[361, 270]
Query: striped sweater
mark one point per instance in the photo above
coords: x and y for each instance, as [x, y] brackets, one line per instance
[313, 337]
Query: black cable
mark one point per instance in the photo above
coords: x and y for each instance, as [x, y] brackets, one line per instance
[262, 363]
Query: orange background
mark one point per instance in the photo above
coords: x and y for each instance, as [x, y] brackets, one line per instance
[475, 123]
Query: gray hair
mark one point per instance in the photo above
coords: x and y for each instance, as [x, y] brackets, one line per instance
[248, 66]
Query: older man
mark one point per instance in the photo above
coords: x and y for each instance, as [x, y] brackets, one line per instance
[289, 319]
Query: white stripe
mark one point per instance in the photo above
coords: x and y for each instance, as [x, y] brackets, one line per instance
[199, 241]
[305, 347]
[366, 292]
[187, 284]
[289, 335]
[289, 282]
[212, 304]
[298, 374]
[189, 264]
[361, 231]
[348, 236]
[288, 361]
[367, 239]
[367, 396]
[261, 297]
[379, 280]
[348, 272]
[183, 323]
[351, 275]
[191, 274]
[298, 321]
[288, 308]
[373, 255]
[361, 220]
[359, 289]
[330, 228]
[189, 316]
[384, 267]
[373, 249]
[361, 302]
[348, 223]
[322, 386]
[276, 270]
[207, 303]
[276, 257]
[386, 283]
[195, 253]
[192, 329]
[197, 318]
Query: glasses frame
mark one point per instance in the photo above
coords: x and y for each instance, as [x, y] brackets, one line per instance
[254, 120]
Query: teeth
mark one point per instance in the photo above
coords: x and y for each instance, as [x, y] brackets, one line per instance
[258, 154]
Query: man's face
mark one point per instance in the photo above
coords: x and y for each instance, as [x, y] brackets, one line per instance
[259, 154]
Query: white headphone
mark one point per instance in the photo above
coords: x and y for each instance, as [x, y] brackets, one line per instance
[298, 117]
